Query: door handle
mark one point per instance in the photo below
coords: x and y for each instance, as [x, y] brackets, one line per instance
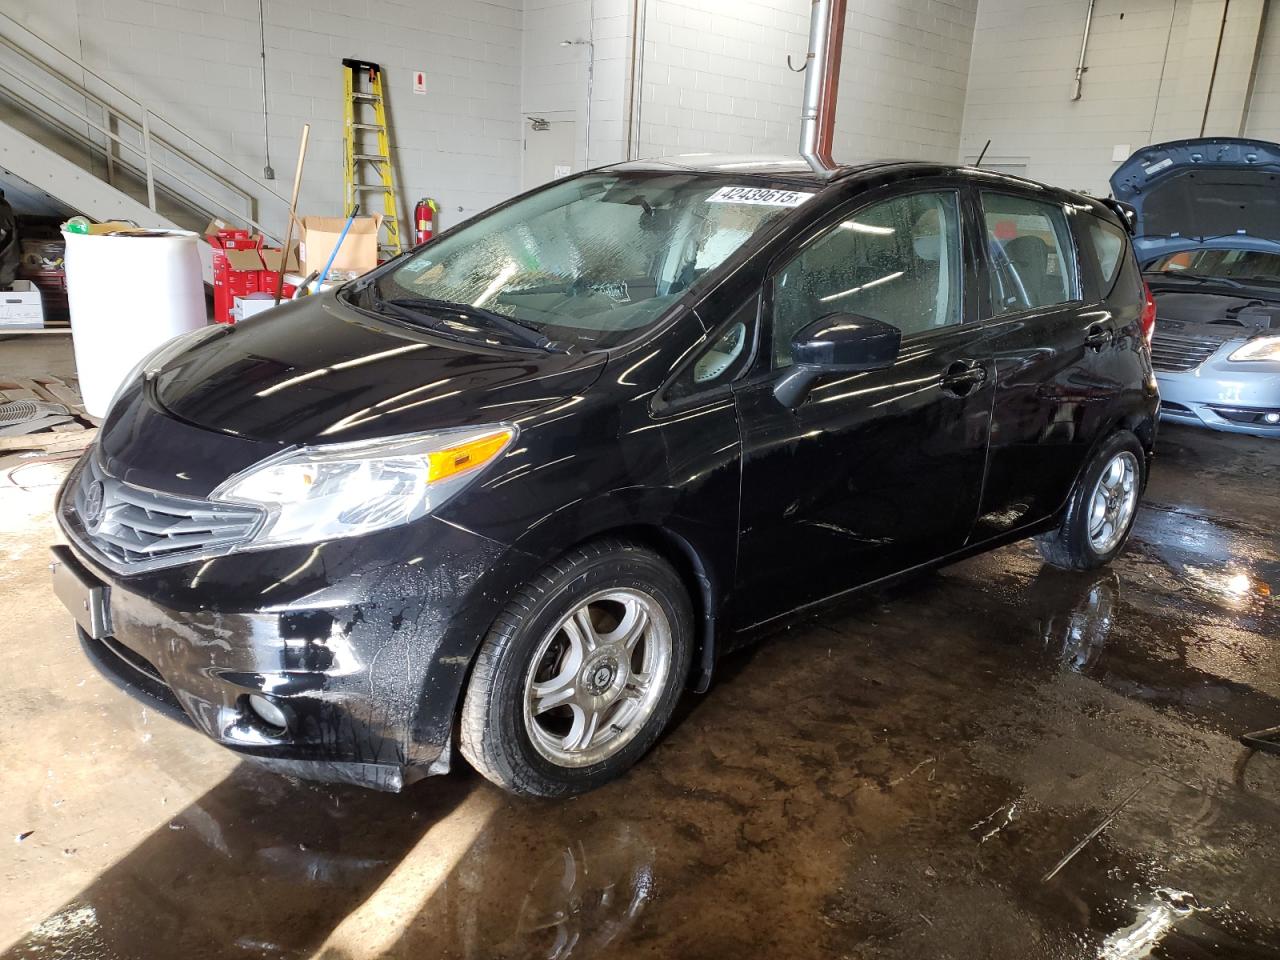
[962, 376]
[1098, 336]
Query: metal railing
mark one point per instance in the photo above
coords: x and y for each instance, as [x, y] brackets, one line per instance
[155, 156]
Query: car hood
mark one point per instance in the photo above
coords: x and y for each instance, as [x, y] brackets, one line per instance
[1187, 191]
[319, 371]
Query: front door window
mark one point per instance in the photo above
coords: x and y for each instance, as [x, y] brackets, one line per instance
[898, 261]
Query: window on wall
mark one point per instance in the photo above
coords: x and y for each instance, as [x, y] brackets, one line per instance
[898, 261]
[1031, 252]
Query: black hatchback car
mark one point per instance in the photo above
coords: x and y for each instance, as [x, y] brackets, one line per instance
[516, 489]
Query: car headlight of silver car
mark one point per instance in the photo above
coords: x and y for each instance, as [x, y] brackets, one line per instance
[1259, 348]
[349, 489]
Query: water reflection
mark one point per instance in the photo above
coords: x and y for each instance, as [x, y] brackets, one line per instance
[584, 897]
[1077, 613]
[1154, 923]
[457, 869]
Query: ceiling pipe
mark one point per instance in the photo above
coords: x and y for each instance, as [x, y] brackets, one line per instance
[635, 102]
[822, 84]
[1077, 89]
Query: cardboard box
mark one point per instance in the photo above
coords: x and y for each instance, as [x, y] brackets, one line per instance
[21, 308]
[252, 304]
[359, 251]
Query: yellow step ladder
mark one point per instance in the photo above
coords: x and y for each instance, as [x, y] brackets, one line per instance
[361, 154]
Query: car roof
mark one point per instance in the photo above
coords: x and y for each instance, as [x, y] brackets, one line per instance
[795, 169]
[775, 167]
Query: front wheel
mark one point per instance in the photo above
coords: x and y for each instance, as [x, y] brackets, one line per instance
[1102, 507]
[580, 673]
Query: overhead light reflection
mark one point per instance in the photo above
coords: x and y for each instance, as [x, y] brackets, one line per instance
[500, 281]
[857, 227]
[870, 283]
[369, 358]
[293, 381]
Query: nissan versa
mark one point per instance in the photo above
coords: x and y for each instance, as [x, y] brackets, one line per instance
[1208, 219]
[516, 489]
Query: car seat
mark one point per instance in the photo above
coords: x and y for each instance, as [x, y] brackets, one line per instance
[1029, 257]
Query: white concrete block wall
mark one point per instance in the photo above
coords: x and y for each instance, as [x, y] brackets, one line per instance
[921, 78]
[198, 62]
[554, 77]
[1149, 63]
[716, 77]
[1263, 119]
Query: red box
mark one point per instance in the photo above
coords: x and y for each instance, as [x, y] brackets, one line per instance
[242, 265]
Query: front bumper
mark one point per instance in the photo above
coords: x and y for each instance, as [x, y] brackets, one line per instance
[1223, 395]
[362, 644]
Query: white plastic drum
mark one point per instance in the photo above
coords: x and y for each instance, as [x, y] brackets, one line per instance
[128, 294]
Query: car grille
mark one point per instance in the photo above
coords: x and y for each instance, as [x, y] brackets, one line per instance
[134, 525]
[1177, 352]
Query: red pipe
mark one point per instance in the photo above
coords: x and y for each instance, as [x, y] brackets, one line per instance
[830, 83]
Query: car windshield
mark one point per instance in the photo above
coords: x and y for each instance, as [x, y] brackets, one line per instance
[589, 261]
[1236, 265]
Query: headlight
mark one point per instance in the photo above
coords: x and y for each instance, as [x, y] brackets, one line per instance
[1260, 348]
[162, 354]
[348, 489]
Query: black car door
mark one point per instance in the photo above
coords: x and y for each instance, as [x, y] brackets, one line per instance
[1041, 334]
[875, 471]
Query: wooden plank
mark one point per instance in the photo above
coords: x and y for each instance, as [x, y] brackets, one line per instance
[37, 388]
[64, 395]
[51, 441]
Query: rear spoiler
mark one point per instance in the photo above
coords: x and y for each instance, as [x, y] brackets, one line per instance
[1128, 216]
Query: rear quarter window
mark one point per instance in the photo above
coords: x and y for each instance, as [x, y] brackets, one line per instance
[1108, 243]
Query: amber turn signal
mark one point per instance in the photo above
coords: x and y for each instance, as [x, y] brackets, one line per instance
[446, 463]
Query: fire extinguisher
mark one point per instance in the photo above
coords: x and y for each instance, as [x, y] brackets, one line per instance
[424, 216]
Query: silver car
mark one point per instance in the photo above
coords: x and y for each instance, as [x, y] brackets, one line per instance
[1207, 219]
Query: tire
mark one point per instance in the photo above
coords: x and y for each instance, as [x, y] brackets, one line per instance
[1080, 543]
[507, 731]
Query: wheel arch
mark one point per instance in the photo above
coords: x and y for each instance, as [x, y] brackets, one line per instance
[699, 577]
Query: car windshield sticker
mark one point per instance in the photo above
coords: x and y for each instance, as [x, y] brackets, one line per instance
[759, 196]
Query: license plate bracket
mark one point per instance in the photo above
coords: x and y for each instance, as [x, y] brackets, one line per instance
[84, 595]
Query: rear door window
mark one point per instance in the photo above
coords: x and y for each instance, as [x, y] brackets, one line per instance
[1032, 256]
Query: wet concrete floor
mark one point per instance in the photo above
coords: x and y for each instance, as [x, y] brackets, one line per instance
[996, 760]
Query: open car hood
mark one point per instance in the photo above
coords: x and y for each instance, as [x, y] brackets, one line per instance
[1213, 191]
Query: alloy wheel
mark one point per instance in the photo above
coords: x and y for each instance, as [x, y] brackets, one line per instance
[597, 676]
[1113, 502]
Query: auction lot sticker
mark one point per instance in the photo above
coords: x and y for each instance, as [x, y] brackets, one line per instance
[760, 196]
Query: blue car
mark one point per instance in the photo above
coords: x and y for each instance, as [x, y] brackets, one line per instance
[1207, 219]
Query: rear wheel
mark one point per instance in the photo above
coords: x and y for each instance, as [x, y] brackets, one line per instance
[1102, 507]
[580, 672]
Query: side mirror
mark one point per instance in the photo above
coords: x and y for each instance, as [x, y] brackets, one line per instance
[837, 342]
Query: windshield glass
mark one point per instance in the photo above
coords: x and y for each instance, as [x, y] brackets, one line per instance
[1249, 265]
[592, 260]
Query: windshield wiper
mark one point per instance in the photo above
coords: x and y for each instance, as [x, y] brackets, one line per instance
[1258, 278]
[1201, 278]
[424, 308]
